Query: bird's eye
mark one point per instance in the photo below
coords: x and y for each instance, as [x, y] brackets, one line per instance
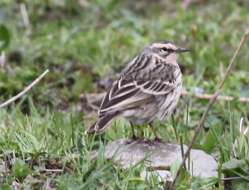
[164, 49]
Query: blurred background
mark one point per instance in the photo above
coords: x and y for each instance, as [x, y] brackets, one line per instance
[85, 43]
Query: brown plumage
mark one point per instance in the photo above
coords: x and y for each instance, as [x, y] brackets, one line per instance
[148, 88]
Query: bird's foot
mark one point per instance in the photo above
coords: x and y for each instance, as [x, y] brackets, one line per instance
[134, 137]
[158, 139]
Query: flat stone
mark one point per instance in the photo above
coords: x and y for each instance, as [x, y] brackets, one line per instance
[159, 156]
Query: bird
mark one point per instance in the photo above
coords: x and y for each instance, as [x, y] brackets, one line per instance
[147, 89]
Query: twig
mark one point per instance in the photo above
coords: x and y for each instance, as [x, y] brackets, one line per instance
[2, 59]
[25, 16]
[52, 170]
[25, 90]
[232, 178]
[211, 102]
[210, 96]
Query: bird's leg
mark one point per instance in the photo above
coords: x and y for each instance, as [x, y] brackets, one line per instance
[134, 137]
[157, 138]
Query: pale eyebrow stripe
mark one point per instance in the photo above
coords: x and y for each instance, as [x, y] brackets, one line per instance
[169, 46]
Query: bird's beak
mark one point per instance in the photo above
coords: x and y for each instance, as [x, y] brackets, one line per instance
[182, 50]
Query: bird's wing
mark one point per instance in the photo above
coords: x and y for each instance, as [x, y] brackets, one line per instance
[134, 88]
[120, 97]
[151, 75]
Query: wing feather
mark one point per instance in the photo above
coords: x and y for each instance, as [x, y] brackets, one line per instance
[119, 97]
[156, 87]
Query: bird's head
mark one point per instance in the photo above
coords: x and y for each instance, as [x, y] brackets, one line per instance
[166, 50]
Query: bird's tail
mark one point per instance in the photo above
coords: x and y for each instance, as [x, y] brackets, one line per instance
[102, 123]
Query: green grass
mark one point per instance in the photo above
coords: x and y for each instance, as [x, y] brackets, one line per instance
[83, 44]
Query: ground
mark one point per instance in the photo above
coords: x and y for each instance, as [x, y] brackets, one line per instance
[84, 43]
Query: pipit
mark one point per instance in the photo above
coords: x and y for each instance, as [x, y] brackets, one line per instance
[147, 89]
